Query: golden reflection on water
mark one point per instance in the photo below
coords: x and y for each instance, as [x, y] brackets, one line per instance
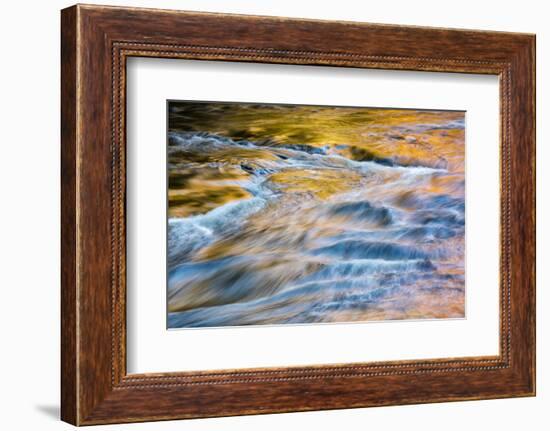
[303, 214]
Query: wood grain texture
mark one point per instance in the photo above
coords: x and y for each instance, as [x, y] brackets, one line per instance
[96, 41]
[69, 330]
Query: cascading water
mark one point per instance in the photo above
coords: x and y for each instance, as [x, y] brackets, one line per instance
[273, 231]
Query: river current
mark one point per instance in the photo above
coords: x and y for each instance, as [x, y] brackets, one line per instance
[275, 231]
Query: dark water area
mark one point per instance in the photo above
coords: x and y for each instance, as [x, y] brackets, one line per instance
[303, 214]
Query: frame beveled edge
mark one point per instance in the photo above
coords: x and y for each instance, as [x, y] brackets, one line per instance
[96, 41]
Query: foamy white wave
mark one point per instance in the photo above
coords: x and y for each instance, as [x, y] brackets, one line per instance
[197, 231]
[193, 140]
[360, 267]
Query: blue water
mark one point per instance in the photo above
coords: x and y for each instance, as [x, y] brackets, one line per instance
[317, 237]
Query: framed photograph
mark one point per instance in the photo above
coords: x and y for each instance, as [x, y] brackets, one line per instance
[264, 214]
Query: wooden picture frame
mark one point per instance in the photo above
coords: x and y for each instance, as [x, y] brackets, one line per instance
[96, 41]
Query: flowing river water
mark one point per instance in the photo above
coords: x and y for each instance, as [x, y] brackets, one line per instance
[306, 214]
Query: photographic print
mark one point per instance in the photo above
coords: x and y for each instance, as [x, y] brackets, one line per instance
[302, 214]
